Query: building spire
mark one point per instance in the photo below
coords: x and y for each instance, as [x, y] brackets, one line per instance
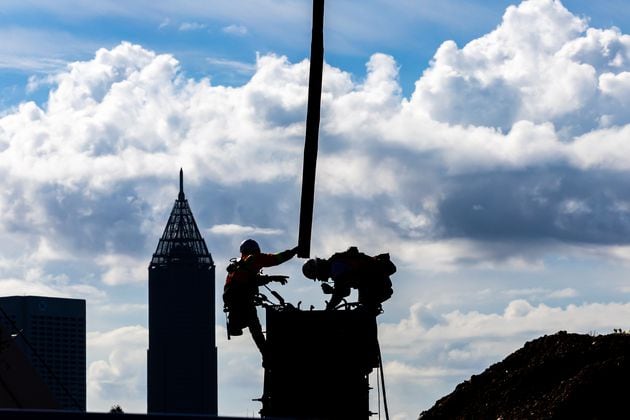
[181, 239]
[181, 195]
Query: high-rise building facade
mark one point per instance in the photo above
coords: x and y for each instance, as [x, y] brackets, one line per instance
[51, 333]
[182, 354]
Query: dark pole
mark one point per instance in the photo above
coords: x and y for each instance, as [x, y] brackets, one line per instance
[312, 130]
[181, 184]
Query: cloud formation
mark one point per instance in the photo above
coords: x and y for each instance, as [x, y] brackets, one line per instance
[236, 30]
[192, 26]
[232, 229]
[117, 369]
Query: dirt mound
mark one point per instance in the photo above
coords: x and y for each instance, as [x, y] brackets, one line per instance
[557, 376]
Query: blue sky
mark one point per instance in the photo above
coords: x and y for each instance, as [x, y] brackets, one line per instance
[223, 43]
[483, 144]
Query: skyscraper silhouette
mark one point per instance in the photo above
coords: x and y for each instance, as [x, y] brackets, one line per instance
[182, 355]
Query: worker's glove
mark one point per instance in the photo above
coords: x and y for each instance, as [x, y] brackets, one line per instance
[327, 289]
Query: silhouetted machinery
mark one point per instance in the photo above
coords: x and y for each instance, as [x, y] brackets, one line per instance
[318, 363]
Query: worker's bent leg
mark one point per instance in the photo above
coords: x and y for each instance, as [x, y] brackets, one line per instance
[259, 338]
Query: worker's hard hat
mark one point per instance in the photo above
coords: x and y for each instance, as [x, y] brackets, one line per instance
[249, 247]
[310, 269]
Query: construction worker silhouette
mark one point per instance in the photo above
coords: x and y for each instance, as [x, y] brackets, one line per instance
[352, 269]
[241, 289]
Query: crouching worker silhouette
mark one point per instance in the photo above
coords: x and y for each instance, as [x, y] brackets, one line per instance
[352, 269]
[241, 289]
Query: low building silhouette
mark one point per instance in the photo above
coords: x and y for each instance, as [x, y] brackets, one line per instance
[50, 333]
[182, 354]
[21, 387]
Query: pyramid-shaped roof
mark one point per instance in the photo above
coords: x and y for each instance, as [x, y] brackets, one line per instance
[181, 240]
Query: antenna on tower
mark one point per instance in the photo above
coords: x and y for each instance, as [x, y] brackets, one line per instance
[181, 184]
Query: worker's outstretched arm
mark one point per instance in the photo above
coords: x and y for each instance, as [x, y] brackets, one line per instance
[262, 280]
[269, 260]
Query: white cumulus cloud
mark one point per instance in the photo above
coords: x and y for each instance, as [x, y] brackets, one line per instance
[117, 369]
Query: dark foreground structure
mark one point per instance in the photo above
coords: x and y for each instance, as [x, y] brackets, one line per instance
[561, 376]
[182, 355]
[43, 341]
[20, 384]
[318, 363]
[72, 415]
